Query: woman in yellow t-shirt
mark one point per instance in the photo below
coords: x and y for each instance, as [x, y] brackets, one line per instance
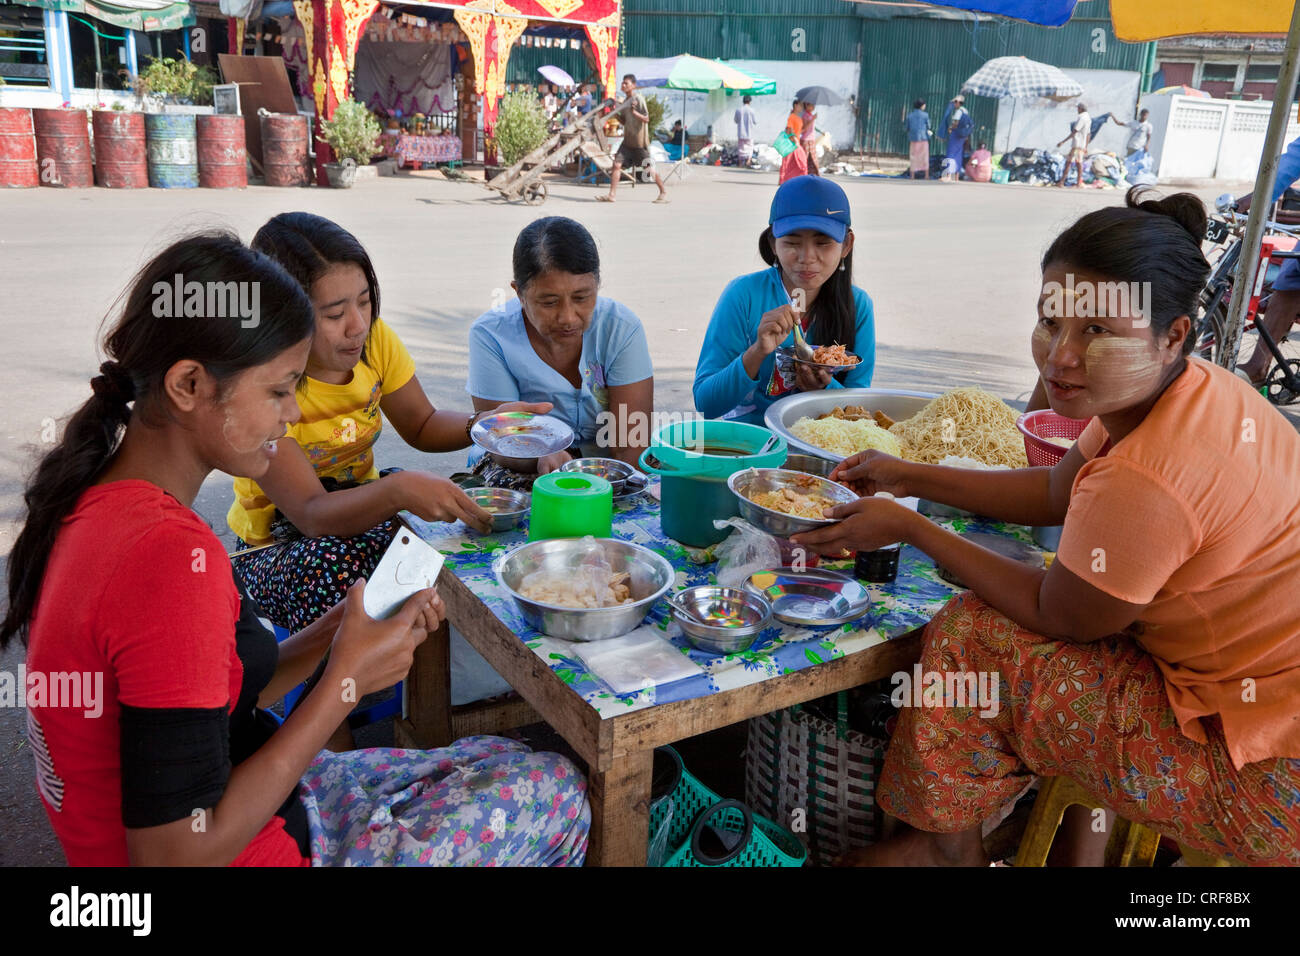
[323, 499]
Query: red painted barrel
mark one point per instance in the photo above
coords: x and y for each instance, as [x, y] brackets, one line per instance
[284, 150]
[121, 160]
[63, 148]
[222, 157]
[17, 148]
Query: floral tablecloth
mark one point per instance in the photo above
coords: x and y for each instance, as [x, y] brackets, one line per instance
[897, 608]
[408, 148]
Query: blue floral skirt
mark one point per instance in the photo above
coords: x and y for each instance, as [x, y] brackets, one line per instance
[483, 801]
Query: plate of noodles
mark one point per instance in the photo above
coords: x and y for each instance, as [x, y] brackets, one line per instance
[967, 423]
[829, 358]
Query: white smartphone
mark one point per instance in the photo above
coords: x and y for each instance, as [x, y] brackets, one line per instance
[408, 565]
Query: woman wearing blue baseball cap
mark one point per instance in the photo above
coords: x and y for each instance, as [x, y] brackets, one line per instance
[808, 246]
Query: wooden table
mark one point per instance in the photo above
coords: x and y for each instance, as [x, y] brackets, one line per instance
[618, 748]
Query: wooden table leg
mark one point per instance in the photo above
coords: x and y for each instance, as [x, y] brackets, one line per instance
[620, 811]
[428, 694]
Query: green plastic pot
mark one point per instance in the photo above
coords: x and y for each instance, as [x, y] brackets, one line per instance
[693, 460]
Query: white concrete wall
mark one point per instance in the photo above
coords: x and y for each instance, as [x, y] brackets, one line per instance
[718, 110]
[1202, 138]
[1041, 124]
[13, 96]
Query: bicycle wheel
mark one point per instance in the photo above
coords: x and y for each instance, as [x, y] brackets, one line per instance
[1209, 342]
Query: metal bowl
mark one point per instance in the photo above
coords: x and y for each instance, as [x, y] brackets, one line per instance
[809, 464]
[784, 412]
[508, 507]
[516, 440]
[622, 477]
[770, 479]
[651, 577]
[720, 620]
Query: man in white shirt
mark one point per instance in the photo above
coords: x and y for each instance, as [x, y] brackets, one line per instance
[746, 120]
[1139, 137]
[1078, 138]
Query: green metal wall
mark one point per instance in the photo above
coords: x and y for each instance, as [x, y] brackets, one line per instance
[901, 59]
[524, 61]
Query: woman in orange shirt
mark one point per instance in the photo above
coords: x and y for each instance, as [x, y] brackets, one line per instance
[1157, 662]
[796, 164]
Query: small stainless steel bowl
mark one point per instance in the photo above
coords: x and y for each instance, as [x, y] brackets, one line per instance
[776, 522]
[620, 475]
[650, 577]
[516, 440]
[809, 465]
[508, 507]
[720, 620]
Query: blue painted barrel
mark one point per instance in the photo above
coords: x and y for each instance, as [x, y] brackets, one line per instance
[173, 156]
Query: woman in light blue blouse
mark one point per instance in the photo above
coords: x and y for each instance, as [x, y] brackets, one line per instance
[587, 354]
[808, 247]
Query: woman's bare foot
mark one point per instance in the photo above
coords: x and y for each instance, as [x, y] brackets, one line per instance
[912, 847]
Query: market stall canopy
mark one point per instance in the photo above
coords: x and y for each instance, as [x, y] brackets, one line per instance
[1137, 20]
[131, 14]
[1021, 78]
[693, 73]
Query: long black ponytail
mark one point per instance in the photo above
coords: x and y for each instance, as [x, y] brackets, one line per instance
[151, 336]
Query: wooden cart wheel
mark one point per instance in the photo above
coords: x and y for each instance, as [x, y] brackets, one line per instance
[535, 194]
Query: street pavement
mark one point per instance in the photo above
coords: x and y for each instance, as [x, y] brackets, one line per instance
[952, 270]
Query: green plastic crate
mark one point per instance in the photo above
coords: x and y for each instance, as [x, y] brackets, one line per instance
[769, 843]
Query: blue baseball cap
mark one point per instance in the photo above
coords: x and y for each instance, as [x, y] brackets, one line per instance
[810, 202]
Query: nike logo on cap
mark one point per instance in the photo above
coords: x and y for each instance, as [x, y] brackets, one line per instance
[834, 212]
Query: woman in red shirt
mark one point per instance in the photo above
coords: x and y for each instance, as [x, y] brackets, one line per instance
[145, 667]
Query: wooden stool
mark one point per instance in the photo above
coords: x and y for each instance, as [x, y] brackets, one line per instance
[1130, 844]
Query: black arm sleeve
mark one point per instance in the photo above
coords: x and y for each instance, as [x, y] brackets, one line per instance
[174, 761]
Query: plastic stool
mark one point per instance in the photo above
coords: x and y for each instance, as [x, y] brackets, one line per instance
[360, 717]
[1131, 844]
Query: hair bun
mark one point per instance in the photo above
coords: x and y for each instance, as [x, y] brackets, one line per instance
[113, 383]
[1184, 208]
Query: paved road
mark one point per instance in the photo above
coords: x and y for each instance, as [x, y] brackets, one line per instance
[952, 269]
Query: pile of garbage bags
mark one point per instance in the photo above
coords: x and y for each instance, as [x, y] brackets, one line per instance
[1041, 167]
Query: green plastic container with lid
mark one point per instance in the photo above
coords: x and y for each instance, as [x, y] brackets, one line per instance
[571, 504]
[693, 460]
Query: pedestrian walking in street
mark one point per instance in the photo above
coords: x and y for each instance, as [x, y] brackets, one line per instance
[918, 137]
[1078, 138]
[957, 126]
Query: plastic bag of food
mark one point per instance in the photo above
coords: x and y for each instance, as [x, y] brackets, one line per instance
[745, 551]
[587, 581]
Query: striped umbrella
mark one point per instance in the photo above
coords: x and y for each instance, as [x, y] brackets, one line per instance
[1181, 90]
[1021, 78]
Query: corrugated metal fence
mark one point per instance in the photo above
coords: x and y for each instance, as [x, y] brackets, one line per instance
[901, 59]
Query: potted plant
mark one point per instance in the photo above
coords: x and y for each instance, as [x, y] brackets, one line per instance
[521, 127]
[169, 82]
[353, 133]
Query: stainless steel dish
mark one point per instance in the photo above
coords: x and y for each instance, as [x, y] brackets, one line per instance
[508, 507]
[897, 404]
[811, 598]
[623, 479]
[720, 620]
[517, 439]
[651, 577]
[743, 483]
[809, 465]
[794, 356]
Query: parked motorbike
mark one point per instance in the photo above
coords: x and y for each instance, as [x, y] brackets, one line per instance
[1282, 384]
